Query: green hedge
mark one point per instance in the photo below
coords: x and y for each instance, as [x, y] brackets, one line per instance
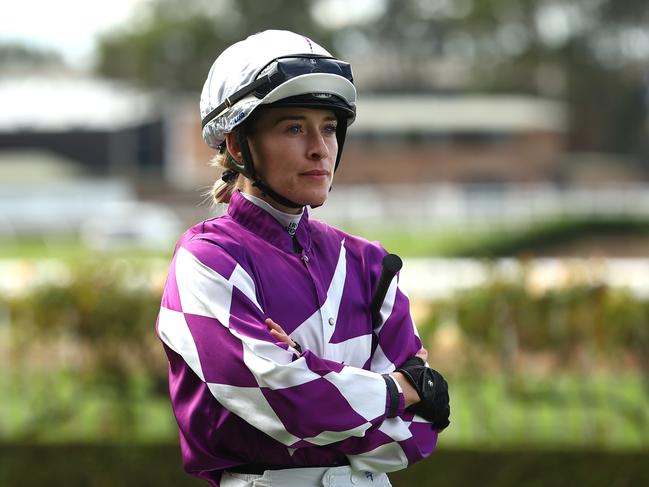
[108, 309]
[488, 239]
[84, 357]
[604, 323]
[85, 364]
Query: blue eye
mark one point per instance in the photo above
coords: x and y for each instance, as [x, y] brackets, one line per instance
[330, 129]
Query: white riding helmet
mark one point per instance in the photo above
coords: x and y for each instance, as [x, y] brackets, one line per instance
[273, 67]
[266, 68]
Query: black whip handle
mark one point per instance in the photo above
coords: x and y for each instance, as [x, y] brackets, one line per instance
[390, 266]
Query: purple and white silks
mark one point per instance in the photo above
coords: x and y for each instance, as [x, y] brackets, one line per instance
[238, 396]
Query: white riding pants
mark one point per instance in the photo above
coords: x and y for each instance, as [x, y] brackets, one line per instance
[307, 477]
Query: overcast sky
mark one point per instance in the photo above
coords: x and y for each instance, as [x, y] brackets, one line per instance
[71, 27]
[67, 26]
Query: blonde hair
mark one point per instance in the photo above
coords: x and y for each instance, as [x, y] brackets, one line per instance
[222, 190]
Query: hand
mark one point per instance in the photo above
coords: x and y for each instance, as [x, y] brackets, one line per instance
[280, 335]
[410, 394]
[422, 353]
[432, 390]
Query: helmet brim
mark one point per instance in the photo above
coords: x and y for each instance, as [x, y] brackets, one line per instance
[325, 91]
[342, 100]
[332, 102]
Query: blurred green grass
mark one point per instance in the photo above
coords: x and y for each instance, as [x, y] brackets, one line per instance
[71, 249]
[491, 239]
[56, 406]
[483, 240]
[566, 411]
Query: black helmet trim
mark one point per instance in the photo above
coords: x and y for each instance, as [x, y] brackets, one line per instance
[324, 101]
[285, 71]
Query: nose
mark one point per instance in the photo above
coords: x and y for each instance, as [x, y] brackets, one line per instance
[317, 148]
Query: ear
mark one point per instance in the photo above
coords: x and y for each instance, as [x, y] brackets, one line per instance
[232, 144]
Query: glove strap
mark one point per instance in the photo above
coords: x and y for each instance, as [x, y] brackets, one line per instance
[393, 393]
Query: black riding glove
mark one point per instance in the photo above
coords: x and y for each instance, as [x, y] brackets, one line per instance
[433, 392]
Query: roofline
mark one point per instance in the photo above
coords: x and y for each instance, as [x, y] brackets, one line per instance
[436, 113]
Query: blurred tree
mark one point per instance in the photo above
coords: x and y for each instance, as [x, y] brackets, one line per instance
[173, 44]
[592, 54]
[15, 55]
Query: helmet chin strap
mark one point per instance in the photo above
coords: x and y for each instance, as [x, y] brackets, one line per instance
[247, 166]
[257, 182]
[267, 190]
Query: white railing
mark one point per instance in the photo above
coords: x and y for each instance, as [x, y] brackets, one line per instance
[431, 278]
[422, 278]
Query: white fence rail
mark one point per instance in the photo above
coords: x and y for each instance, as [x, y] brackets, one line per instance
[422, 278]
[430, 278]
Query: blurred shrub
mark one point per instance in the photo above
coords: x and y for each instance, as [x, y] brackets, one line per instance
[546, 237]
[106, 308]
[106, 312]
[92, 333]
[92, 330]
[577, 325]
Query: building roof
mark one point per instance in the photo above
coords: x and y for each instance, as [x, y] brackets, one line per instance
[458, 113]
[62, 102]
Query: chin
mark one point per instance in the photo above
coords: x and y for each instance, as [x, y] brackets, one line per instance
[316, 200]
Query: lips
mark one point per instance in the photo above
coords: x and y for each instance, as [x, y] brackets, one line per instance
[316, 172]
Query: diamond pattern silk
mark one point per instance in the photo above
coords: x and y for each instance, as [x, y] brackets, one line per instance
[238, 396]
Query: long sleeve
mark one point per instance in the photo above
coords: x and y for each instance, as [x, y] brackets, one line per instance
[241, 398]
[210, 316]
[405, 439]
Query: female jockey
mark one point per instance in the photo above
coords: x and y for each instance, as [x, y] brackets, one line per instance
[277, 375]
